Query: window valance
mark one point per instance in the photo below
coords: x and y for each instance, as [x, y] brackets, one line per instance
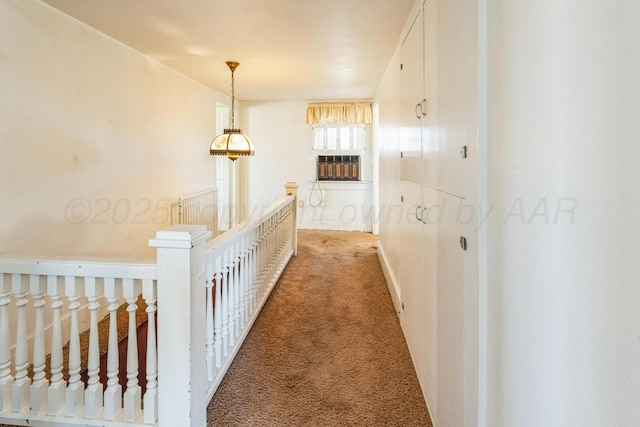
[339, 112]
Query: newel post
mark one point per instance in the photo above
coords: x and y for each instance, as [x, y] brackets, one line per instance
[292, 189]
[182, 366]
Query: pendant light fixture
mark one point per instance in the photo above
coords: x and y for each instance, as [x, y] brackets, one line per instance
[232, 143]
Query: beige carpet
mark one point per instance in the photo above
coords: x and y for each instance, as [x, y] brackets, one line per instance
[327, 349]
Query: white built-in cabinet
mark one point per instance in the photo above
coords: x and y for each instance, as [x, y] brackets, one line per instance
[427, 104]
[417, 267]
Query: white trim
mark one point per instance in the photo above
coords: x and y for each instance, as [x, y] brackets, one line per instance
[335, 225]
[375, 140]
[484, 199]
[392, 282]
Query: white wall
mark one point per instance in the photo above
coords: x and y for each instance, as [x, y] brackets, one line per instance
[563, 242]
[96, 139]
[283, 153]
[281, 140]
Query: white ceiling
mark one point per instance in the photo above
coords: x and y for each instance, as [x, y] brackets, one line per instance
[288, 49]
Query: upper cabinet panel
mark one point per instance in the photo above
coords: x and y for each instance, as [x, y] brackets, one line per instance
[411, 95]
[430, 102]
[453, 149]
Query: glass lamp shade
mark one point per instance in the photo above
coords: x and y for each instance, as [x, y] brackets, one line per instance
[232, 143]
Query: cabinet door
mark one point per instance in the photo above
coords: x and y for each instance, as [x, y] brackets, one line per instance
[419, 288]
[427, 367]
[450, 280]
[411, 90]
[429, 106]
[411, 270]
[414, 297]
[457, 98]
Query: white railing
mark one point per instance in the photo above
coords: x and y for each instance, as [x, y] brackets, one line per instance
[199, 209]
[61, 291]
[208, 295]
[242, 266]
[228, 281]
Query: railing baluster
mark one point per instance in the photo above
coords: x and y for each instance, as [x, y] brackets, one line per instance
[237, 289]
[260, 256]
[276, 248]
[274, 245]
[217, 309]
[276, 240]
[270, 249]
[132, 398]
[254, 268]
[75, 390]
[113, 393]
[5, 345]
[20, 386]
[151, 393]
[250, 278]
[292, 188]
[38, 389]
[93, 394]
[245, 283]
[209, 319]
[224, 305]
[57, 387]
[265, 261]
[231, 311]
[277, 217]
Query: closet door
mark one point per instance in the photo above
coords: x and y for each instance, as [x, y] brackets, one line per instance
[428, 297]
[430, 214]
[450, 280]
[411, 274]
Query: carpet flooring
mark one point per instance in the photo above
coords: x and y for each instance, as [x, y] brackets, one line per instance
[327, 348]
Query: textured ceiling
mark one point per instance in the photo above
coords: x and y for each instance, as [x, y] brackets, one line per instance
[288, 49]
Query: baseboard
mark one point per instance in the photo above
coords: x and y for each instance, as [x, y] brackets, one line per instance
[335, 226]
[392, 283]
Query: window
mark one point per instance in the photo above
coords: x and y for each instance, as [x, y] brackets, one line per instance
[347, 137]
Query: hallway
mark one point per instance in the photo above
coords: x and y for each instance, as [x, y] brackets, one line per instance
[327, 349]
